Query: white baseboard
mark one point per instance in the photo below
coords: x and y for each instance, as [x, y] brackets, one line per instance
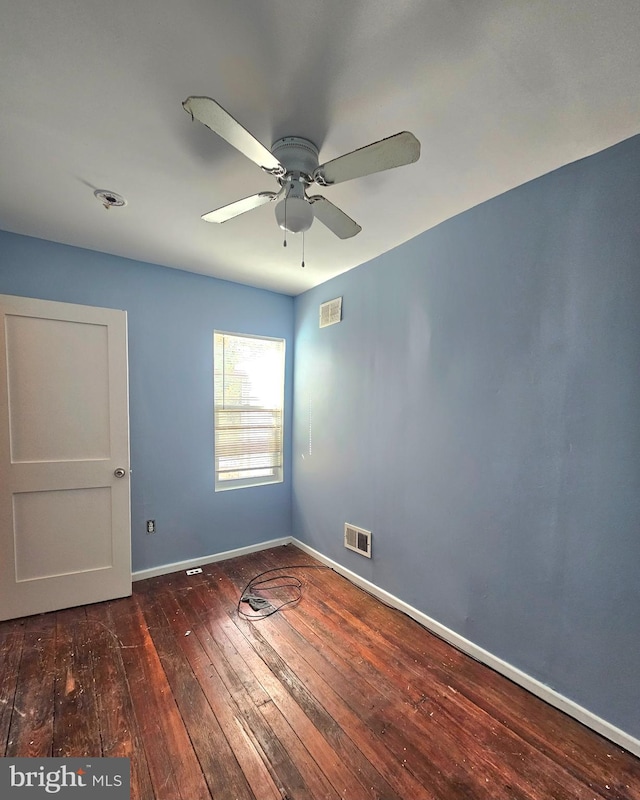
[532, 685]
[165, 569]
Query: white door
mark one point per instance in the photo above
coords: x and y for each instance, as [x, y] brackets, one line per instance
[65, 529]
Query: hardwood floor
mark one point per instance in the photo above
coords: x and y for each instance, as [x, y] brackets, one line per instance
[337, 696]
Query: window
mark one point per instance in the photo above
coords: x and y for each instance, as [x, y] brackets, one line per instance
[248, 398]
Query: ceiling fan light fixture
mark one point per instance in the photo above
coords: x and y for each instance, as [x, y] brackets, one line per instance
[294, 214]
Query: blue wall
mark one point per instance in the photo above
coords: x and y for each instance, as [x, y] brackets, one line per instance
[478, 409]
[171, 316]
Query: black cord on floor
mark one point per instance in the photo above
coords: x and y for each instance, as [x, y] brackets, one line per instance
[258, 602]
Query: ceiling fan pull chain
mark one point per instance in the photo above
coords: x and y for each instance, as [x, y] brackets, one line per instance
[284, 244]
[303, 249]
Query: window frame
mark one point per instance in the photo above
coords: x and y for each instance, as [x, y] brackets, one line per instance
[277, 475]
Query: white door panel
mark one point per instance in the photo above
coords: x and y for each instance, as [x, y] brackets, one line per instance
[64, 430]
[58, 389]
[67, 548]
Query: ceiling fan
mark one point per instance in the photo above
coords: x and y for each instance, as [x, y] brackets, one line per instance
[293, 161]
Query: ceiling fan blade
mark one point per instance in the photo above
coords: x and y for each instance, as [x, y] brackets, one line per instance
[335, 219]
[232, 210]
[395, 151]
[211, 114]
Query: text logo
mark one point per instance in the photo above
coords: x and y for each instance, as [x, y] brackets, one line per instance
[77, 778]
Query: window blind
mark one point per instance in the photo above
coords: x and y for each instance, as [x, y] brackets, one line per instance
[248, 396]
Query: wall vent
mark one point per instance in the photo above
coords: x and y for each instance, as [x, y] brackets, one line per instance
[357, 539]
[330, 312]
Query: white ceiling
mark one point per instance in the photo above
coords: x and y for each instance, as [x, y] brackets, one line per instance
[497, 92]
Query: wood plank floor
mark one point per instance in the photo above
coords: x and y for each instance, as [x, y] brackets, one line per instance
[336, 696]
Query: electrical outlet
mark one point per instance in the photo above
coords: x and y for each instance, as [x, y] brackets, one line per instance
[151, 526]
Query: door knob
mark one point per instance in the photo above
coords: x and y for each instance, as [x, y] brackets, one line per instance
[119, 473]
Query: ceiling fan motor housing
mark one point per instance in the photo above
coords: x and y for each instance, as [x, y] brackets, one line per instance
[296, 155]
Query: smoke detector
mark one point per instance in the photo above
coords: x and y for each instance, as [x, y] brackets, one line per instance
[110, 199]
